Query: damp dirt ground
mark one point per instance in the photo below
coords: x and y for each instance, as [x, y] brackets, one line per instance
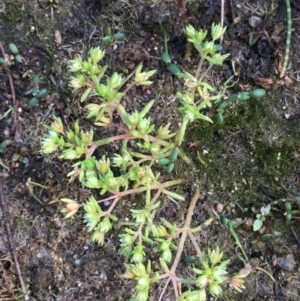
[251, 160]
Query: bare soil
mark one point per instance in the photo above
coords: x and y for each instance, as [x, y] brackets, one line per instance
[250, 160]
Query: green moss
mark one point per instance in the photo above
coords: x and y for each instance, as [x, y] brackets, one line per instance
[13, 13]
[253, 149]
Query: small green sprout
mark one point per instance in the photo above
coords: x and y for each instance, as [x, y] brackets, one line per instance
[111, 38]
[168, 61]
[13, 48]
[36, 92]
[213, 273]
[261, 217]
[15, 51]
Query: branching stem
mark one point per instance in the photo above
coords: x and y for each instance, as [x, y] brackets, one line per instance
[185, 231]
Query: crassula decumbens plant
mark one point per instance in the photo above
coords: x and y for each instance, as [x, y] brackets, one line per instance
[140, 164]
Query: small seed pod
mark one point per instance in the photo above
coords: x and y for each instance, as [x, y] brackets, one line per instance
[42, 93]
[267, 237]
[174, 155]
[3, 145]
[220, 118]
[223, 105]
[288, 216]
[35, 80]
[35, 91]
[163, 161]
[232, 97]
[13, 48]
[107, 39]
[257, 93]
[170, 167]
[166, 58]
[189, 259]
[119, 36]
[288, 206]
[33, 101]
[276, 234]
[19, 58]
[174, 69]
[243, 96]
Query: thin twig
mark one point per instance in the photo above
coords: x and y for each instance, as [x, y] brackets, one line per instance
[199, 69]
[2, 50]
[288, 37]
[10, 242]
[222, 19]
[194, 242]
[12, 88]
[295, 235]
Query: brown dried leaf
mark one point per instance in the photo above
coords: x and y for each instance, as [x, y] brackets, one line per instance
[278, 29]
